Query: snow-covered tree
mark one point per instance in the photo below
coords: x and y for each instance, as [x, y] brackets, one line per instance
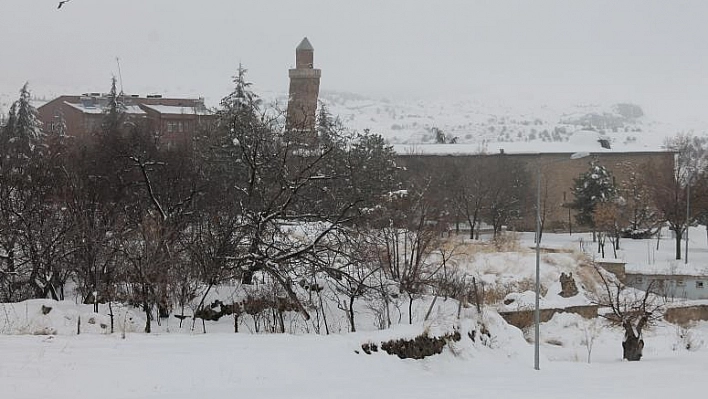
[114, 112]
[327, 125]
[23, 129]
[594, 187]
[643, 216]
[242, 98]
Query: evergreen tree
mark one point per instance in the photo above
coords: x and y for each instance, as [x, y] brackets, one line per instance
[114, 112]
[325, 125]
[239, 117]
[27, 126]
[594, 187]
[242, 98]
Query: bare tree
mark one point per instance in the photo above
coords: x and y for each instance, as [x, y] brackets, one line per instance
[471, 191]
[609, 221]
[508, 191]
[630, 309]
[591, 330]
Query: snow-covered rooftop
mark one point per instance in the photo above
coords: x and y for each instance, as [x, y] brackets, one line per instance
[128, 109]
[177, 110]
[580, 141]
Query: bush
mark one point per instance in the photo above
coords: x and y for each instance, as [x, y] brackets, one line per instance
[420, 346]
[636, 234]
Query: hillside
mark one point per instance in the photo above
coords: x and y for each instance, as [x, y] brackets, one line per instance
[488, 123]
[483, 121]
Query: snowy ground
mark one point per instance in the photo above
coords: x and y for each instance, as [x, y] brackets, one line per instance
[280, 366]
[180, 363]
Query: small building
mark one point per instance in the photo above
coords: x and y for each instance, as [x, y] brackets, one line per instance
[677, 286]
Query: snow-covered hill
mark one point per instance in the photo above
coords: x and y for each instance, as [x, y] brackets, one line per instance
[489, 122]
[483, 121]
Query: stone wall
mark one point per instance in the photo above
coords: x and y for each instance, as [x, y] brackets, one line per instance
[616, 268]
[524, 318]
[685, 315]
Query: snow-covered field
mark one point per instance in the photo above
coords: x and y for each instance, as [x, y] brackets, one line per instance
[284, 366]
[181, 363]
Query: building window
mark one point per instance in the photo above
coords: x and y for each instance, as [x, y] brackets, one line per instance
[699, 284]
[638, 280]
[172, 127]
[680, 283]
[176, 127]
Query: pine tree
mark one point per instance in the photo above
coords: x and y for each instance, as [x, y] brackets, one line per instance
[594, 187]
[242, 98]
[23, 130]
[114, 113]
[239, 116]
[28, 124]
[329, 128]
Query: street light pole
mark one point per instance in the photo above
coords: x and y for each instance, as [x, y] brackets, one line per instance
[537, 310]
[688, 213]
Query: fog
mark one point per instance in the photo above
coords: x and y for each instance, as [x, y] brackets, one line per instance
[649, 52]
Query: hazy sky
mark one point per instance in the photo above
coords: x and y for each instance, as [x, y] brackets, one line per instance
[651, 52]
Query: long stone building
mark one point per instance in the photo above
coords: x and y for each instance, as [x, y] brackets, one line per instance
[557, 170]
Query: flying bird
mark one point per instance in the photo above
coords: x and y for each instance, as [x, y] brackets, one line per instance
[61, 3]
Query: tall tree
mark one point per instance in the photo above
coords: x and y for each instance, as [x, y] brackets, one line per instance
[114, 112]
[508, 190]
[27, 129]
[672, 184]
[596, 186]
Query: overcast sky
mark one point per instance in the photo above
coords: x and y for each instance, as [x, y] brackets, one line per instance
[651, 52]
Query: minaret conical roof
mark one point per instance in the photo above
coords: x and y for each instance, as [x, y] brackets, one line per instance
[305, 45]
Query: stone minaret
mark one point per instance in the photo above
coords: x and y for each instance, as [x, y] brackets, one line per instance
[304, 89]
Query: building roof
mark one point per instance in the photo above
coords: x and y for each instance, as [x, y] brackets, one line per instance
[176, 110]
[92, 109]
[305, 45]
[580, 141]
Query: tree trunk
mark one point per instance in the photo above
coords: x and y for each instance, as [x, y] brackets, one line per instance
[110, 313]
[617, 241]
[410, 308]
[633, 344]
[679, 237]
[632, 349]
[351, 313]
[146, 309]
